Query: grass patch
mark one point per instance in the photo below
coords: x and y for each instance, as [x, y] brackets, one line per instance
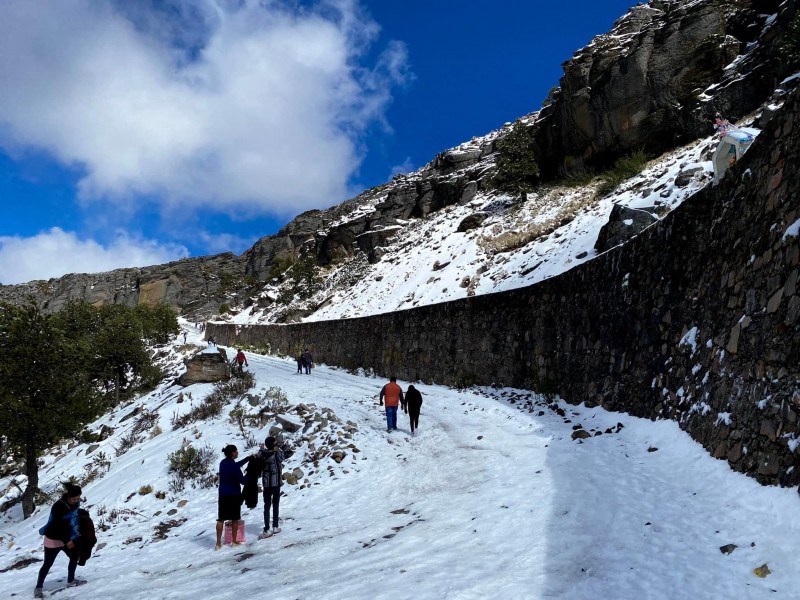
[625, 168]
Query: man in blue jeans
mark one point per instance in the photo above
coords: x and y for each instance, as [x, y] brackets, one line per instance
[391, 396]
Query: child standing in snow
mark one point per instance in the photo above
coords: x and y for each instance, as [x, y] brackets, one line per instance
[271, 480]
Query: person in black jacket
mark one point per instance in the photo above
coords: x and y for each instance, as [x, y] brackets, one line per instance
[413, 404]
[271, 479]
[61, 533]
[308, 361]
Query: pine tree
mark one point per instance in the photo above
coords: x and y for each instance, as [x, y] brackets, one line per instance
[45, 395]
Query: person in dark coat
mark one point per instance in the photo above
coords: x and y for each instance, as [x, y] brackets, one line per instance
[61, 533]
[250, 491]
[271, 480]
[308, 361]
[301, 362]
[413, 404]
[229, 505]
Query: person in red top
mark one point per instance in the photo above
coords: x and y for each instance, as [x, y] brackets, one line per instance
[391, 396]
[241, 359]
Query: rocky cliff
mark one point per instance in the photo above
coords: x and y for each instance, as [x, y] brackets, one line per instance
[659, 76]
[192, 285]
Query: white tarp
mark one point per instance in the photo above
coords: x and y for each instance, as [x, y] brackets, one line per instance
[732, 146]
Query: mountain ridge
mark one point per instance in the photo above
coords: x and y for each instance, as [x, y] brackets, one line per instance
[345, 238]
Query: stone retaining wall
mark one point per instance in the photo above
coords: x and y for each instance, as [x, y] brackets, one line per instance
[695, 320]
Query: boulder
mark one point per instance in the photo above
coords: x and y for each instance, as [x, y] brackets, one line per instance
[623, 224]
[289, 423]
[209, 366]
[472, 221]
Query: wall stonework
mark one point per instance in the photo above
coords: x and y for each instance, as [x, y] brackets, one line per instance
[697, 319]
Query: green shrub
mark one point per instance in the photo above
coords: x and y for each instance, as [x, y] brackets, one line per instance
[551, 96]
[279, 266]
[190, 465]
[150, 377]
[223, 308]
[276, 399]
[517, 171]
[625, 168]
[89, 437]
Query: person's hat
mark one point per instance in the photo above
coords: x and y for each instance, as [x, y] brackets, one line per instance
[73, 490]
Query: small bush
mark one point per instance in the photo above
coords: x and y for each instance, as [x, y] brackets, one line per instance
[127, 442]
[89, 437]
[190, 465]
[625, 168]
[464, 380]
[551, 96]
[145, 489]
[276, 399]
[161, 495]
[101, 461]
[146, 420]
[223, 308]
[279, 266]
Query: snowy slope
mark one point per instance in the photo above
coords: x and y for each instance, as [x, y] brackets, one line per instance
[493, 499]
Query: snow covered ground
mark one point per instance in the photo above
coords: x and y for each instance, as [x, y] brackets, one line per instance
[492, 499]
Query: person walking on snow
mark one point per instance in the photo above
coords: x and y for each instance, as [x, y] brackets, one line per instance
[61, 533]
[391, 396]
[184, 337]
[300, 363]
[229, 505]
[413, 404]
[241, 359]
[271, 481]
[308, 361]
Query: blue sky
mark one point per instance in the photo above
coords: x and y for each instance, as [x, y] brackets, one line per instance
[135, 133]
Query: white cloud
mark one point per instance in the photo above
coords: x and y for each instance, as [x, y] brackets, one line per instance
[217, 243]
[256, 105]
[56, 252]
[407, 166]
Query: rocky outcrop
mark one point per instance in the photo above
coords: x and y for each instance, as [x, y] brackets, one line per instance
[206, 367]
[369, 221]
[192, 285]
[656, 80]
